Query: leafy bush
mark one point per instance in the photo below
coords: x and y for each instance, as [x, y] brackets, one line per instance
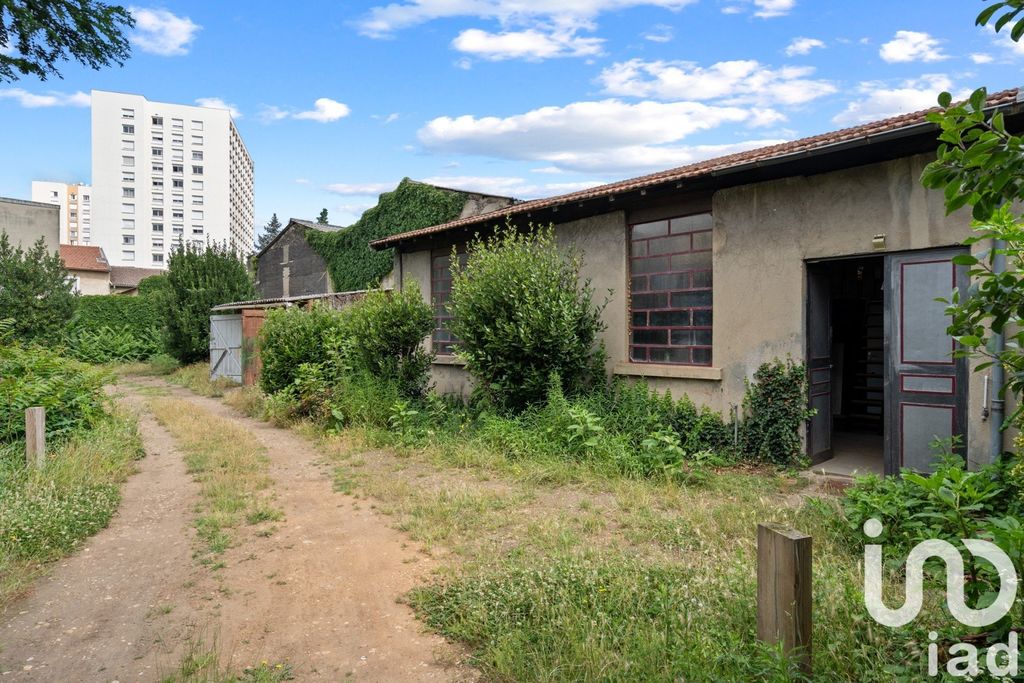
[36, 292]
[71, 392]
[109, 345]
[775, 407]
[198, 280]
[138, 314]
[521, 313]
[387, 330]
[350, 261]
[293, 336]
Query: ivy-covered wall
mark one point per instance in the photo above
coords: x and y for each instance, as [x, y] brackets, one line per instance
[411, 205]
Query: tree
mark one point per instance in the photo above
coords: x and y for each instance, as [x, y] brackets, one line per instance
[34, 36]
[521, 312]
[35, 291]
[270, 231]
[322, 218]
[199, 279]
[981, 164]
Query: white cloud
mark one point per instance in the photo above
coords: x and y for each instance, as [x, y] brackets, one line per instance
[660, 33]
[912, 46]
[50, 99]
[601, 136]
[981, 58]
[382, 21]
[531, 44]
[357, 189]
[385, 118]
[510, 186]
[218, 103]
[160, 32]
[302, 181]
[802, 46]
[733, 81]
[768, 9]
[325, 110]
[879, 101]
[549, 170]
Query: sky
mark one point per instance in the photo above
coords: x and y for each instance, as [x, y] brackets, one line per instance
[337, 102]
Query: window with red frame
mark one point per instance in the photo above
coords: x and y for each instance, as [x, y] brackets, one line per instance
[670, 291]
[440, 295]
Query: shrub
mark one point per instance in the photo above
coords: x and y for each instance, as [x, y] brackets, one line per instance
[109, 345]
[521, 313]
[198, 280]
[775, 407]
[71, 392]
[138, 314]
[387, 330]
[36, 292]
[293, 336]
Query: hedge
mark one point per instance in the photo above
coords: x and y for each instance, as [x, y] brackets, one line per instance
[136, 314]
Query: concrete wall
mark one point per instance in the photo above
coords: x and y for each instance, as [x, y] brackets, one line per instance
[763, 235]
[25, 222]
[307, 270]
[92, 282]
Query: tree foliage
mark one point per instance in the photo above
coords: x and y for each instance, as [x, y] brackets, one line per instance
[35, 36]
[199, 279]
[351, 262]
[980, 163]
[322, 218]
[521, 313]
[270, 231]
[35, 291]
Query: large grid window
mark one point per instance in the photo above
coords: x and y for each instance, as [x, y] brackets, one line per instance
[670, 291]
[440, 294]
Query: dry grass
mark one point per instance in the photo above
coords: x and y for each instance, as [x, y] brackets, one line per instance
[230, 465]
[196, 378]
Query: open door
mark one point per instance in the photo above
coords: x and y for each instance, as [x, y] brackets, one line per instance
[819, 362]
[925, 387]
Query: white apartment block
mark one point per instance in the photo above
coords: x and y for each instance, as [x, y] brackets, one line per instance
[75, 202]
[165, 174]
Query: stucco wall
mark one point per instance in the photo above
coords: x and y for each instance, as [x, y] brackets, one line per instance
[25, 222]
[91, 282]
[763, 235]
[307, 270]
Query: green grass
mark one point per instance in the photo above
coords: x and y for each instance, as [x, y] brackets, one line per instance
[196, 378]
[45, 514]
[231, 467]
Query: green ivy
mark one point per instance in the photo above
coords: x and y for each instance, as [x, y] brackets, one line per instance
[350, 261]
[776, 412]
[137, 314]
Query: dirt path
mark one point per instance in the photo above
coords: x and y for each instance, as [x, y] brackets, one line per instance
[322, 593]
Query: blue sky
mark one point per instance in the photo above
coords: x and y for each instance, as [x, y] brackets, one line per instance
[338, 101]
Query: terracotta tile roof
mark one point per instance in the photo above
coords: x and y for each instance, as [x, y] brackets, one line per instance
[130, 276]
[700, 169]
[81, 257]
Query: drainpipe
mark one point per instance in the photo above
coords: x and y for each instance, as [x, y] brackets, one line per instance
[998, 378]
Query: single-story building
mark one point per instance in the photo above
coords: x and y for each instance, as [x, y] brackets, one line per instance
[126, 279]
[826, 249]
[88, 267]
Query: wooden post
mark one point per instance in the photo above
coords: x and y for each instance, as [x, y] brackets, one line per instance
[35, 436]
[784, 590]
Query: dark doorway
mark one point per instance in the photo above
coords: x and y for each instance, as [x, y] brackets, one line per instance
[851, 335]
[883, 379]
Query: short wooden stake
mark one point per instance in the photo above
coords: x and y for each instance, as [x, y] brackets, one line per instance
[784, 590]
[35, 436]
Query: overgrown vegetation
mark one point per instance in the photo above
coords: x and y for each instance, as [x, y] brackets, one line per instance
[521, 312]
[412, 205]
[197, 280]
[776, 411]
[36, 292]
[107, 329]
